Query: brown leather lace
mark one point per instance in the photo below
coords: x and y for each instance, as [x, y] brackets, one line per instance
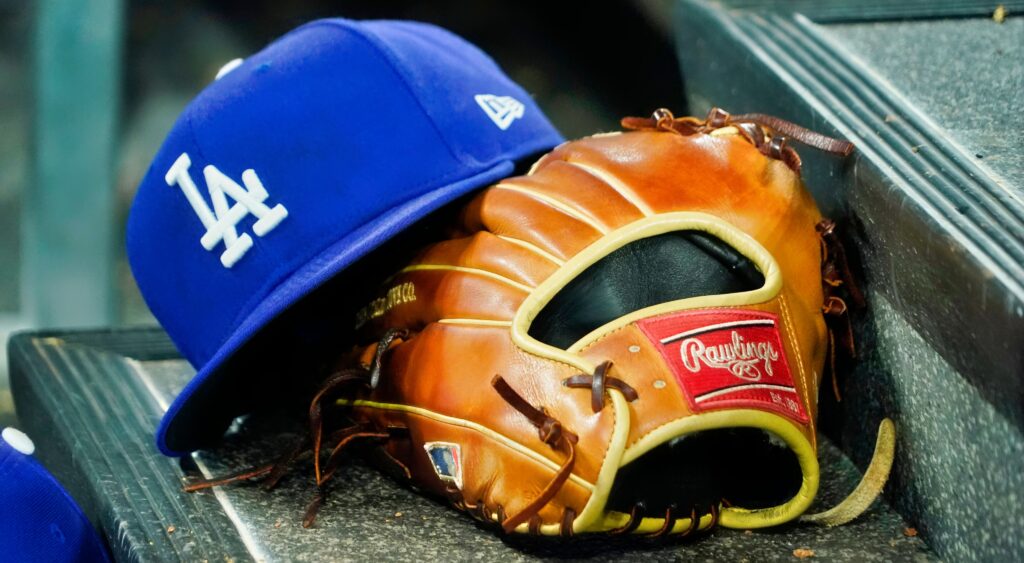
[838, 286]
[383, 345]
[835, 266]
[274, 471]
[337, 380]
[351, 434]
[795, 132]
[637, 514]
[770, 135]
[598, 382]
[551, 433]
[313, 442]
[635, 517]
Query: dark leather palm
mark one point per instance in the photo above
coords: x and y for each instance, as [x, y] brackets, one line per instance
[740, 465]
[645, 272]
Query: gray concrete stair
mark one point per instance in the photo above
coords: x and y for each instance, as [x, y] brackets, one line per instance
[932, 206]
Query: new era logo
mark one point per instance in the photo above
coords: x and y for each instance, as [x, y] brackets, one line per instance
[502, 110]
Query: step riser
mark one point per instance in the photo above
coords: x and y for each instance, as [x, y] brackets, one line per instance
[937, 244]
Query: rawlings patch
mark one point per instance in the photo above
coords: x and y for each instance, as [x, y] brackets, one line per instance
[727, 358]
[447, 461]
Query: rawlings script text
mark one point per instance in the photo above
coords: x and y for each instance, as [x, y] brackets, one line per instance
[739, 357]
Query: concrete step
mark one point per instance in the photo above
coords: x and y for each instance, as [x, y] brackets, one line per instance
[932, 205]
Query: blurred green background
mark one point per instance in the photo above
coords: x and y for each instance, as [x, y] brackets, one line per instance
[89, 88]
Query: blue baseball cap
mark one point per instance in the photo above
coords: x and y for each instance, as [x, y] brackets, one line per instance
[39, 520]
[297, 162]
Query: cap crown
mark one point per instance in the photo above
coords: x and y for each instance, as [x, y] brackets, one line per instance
[305, 145]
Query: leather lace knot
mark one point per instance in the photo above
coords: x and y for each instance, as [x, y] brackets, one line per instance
[551, 432]
[598, 382]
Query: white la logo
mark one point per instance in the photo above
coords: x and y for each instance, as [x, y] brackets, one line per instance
[502, 110]
[220, 222]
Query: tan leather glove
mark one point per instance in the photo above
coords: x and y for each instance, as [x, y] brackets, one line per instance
[628, 338]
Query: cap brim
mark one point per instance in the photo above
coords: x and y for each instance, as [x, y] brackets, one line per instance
[195, 419]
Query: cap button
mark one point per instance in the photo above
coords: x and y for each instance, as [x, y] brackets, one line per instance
[228, 67]
[18, 440]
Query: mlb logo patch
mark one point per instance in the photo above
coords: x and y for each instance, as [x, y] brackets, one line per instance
[447, 461]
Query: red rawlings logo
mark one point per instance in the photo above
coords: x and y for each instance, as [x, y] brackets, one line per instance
[727, 358]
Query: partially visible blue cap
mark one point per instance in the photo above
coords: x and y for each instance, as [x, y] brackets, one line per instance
[298, 162]
[39, 521]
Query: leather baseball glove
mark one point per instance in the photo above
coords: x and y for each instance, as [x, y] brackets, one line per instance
[628, 339]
